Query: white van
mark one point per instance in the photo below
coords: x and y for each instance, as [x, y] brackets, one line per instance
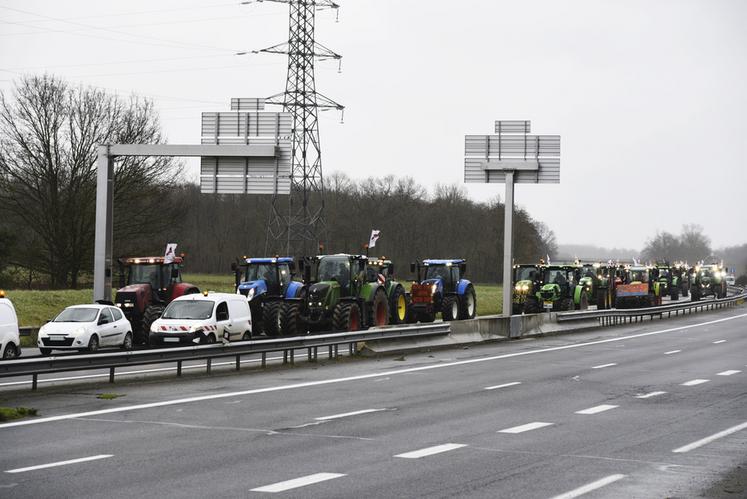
[10, 339]
[203, 318]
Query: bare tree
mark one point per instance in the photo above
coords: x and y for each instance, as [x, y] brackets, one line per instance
[49, 132]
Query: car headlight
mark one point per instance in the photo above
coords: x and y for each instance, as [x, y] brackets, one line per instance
[250, 294]
[78, 332]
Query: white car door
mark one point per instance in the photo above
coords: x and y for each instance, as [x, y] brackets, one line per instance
[106, 328]
[222, 320]
[120, 325]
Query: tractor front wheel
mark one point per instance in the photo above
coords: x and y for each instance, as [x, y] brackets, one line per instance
[468, 304]
[398, 306]
[271, 319]
[151, 315]
[347, 317]
[449, 308]
[583, 302]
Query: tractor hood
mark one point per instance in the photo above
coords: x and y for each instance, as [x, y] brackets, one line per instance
[438, 283]
[252, 289]
[550, 291]
[135, 288]
[319, 292]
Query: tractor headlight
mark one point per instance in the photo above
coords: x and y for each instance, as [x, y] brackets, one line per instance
[517, 287]
[250, 294]
[434, 287]
[525, 287]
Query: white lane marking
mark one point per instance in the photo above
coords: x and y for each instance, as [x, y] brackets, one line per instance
[59, 463]
[597, 409]
[298, 482]
[346, 414]
[604, 365]
[671, 352]
[728, 373]
[694, 382]
[307, 384]
[719, 341]
[649, 395]
[708, 440]
[429, 451]
[590, 487]
[504, 385]
[525, 427]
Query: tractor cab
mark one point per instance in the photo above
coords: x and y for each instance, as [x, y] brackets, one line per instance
[559, 284]
[255, 277]
[379, 269]
[444, 274]
[441, 287]
[527, 280]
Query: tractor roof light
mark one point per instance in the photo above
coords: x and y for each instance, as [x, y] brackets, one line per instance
[2, 293]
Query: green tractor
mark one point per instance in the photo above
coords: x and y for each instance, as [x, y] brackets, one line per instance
[708, 280]
[527, 283]
[340, 297]
[561, 289]
[638, 289]
[381, 271]
[682, 272]
[669, 283]
[598, 283]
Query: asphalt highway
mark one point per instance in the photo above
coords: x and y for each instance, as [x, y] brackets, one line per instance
[655, 409]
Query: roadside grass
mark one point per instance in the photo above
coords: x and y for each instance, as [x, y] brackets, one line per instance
[34, 308]
[109, 396]
[9, 413]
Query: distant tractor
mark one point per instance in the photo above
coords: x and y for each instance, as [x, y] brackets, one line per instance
[682, 272]
[638, 289]
[527, 283]
[268, 284]
[598, 281]
[708, 280]
[668, 281]
[340, 296]
[381, 271]
[561, 288]
[440, 287]
[147, 285]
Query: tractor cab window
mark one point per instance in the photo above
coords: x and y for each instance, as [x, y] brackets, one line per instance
[664, 273]
[285, 274]
[337, 269]
[166, 278]
[147, 274]
[556, 276]
[372, 273]
[437, 272]
[526, 274]
[638, 276]
[261, 272]
[588, 271]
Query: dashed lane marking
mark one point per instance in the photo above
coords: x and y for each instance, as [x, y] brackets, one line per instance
[589, 487]
[347, 414]
[672, 352]
[504, 385]
[298, 482]
[597, 409]
[729, 372]
[694, 382]
[649, 395]
[605, 365]
[526, 427]
[429, 451]
[60, 463]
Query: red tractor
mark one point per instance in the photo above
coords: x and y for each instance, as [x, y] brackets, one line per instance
[147, 285]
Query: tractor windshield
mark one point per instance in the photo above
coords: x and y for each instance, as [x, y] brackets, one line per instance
[526, 274]
[638, 275]
[77, 315]
[556, 276]
[664, 273]
[588, 271]
[261, 271]
[146, 274]
[437, 272]
[334, 268]
[189, 309]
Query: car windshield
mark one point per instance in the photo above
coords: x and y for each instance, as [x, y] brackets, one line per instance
[437, 272]
[526, 273]
[77, 315]
[189, 309]
[334, 268]
[260, 272]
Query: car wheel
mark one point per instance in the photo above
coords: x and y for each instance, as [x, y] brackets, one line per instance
[127, 343]
[10, 351]
[210, 339]
[247, 336]
[93, 344]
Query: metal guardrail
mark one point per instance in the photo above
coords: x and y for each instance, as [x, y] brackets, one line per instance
[114, 360]
[621, 316]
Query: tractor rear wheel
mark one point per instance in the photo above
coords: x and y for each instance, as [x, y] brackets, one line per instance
[449, 308]
[378, 314]
[583, 302]
[468, 304]
[602, 299]
[151, 315]
[347, 317]
[271, 319]
[398, 306]
[290, 319]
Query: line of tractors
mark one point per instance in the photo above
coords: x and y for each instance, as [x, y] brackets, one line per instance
[339, 292]
[577, 285]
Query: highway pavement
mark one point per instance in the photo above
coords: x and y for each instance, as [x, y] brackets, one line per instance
[655, 409]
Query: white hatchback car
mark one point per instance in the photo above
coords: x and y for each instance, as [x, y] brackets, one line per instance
[86, 328]
[10, 339]
[203, 318]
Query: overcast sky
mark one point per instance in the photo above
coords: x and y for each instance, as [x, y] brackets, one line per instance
[649, 96]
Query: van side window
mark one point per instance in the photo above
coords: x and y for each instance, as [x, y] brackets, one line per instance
[221, 312]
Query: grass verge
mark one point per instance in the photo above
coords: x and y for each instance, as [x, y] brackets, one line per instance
[9, 413]
[109, 396]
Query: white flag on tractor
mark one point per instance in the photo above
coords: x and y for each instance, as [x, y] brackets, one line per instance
[374, 237]
[170, 254]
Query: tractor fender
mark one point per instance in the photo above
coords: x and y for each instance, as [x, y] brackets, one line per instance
[293, 290]
[462, 286]
[577, 294]
[657, 291]
[369, 291]
[183, 288]
[259, 286]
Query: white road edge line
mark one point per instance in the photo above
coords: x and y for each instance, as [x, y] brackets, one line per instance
[525, 427]
[597, 409]
[649, 395]
[590, 487]
[604, 365]
[708, 440]
[215, 396]
[719, 341]
[346, 414]
[60, 463]
[728, 373]
[504, 385]
[671, 352]
[694, 382]
[298, 482]
[429, 451]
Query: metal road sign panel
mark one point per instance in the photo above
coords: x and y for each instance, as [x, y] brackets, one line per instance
[247, 175]
[535, 158]
[247, 104]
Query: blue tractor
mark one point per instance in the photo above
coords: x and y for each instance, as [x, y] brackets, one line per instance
[440, 287]
[272, 293]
